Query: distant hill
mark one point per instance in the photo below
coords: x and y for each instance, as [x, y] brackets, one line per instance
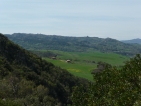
[26, 79]
[79, 44]
[137, 41]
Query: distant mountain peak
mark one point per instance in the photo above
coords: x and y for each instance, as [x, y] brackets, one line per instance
[136, 40]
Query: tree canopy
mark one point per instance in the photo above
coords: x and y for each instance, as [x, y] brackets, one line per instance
[113, 87]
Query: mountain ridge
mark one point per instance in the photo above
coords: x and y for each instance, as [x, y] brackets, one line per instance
[77, 44]
[133, 41]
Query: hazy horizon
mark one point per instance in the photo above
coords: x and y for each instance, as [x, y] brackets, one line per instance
[117, 19]
[73, 36]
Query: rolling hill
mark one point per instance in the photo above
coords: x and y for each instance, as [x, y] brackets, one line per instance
[73, 44]
[26, 79]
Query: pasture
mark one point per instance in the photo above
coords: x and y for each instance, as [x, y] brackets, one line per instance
[82, 63]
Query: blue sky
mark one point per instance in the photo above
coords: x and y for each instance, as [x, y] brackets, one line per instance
[118, 19]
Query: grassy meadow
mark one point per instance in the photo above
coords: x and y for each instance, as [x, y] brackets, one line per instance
[82, 63]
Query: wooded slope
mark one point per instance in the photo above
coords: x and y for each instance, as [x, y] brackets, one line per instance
[26, 79]
[82, 44]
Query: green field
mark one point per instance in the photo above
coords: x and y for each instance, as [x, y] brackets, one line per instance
[82, 63]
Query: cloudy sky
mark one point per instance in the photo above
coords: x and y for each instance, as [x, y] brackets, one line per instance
[118, 19]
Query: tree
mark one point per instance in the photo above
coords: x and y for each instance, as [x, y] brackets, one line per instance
[113, 87]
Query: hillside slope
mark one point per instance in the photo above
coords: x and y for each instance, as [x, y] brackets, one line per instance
[53, 42]
[28, 80]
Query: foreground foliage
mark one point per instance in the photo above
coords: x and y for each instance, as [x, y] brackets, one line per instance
[113, 87]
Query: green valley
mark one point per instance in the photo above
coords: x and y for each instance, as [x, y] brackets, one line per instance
[84, 52]
[82, 63]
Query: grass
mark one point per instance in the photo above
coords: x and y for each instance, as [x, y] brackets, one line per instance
[77, 69]
[82, 63]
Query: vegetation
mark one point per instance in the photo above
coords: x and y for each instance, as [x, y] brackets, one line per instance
[26, 79]
[73, 44]
[112, 87]
[82, 63]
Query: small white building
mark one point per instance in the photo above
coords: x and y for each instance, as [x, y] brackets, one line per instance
[68, 61]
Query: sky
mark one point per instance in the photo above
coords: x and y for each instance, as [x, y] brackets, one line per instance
[117, 19]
